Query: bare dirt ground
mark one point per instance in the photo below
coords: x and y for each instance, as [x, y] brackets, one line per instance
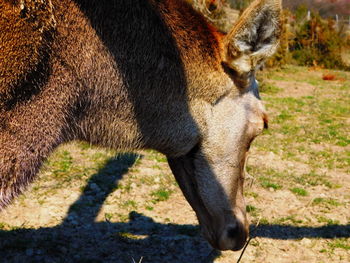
[94, 205]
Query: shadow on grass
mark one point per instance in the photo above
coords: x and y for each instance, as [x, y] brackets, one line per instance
[286, 232]
[80, 239]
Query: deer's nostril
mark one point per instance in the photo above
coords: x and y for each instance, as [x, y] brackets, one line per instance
[232, 231]
[233, 237]
[266, 121]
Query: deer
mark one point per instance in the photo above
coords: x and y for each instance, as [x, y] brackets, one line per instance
[137, 74]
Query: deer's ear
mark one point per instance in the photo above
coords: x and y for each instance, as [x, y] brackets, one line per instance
[254, 37]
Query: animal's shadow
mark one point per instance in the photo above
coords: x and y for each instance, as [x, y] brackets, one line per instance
[80, 239]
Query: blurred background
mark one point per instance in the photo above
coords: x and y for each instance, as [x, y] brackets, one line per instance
[315, 33]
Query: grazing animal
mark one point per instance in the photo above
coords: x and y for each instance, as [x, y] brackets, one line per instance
[132, 74]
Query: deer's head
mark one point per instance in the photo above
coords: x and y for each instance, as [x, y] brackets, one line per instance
[212, 174]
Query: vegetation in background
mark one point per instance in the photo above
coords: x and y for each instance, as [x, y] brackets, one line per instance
[307, 39]
[283, 55]
[318, 42]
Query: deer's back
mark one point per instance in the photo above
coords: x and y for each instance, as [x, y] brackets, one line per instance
[126, 70]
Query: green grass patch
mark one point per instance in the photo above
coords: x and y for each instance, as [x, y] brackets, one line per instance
[313, 179]
[252, 194]
[250, 208]
[161, 195]
[299, 191]
[2, 226]
[292, 219]
[130, 204]
[266, 183]
[328, 221]
[325, 201]
[108, 216]
[149, 208]
[342, 243]
[268, 88]
[283, 116]
[61, 164]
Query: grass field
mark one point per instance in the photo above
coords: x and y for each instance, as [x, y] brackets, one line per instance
[94, 205]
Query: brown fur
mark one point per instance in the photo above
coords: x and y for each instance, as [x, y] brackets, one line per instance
[126, 74]
[26, 30]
